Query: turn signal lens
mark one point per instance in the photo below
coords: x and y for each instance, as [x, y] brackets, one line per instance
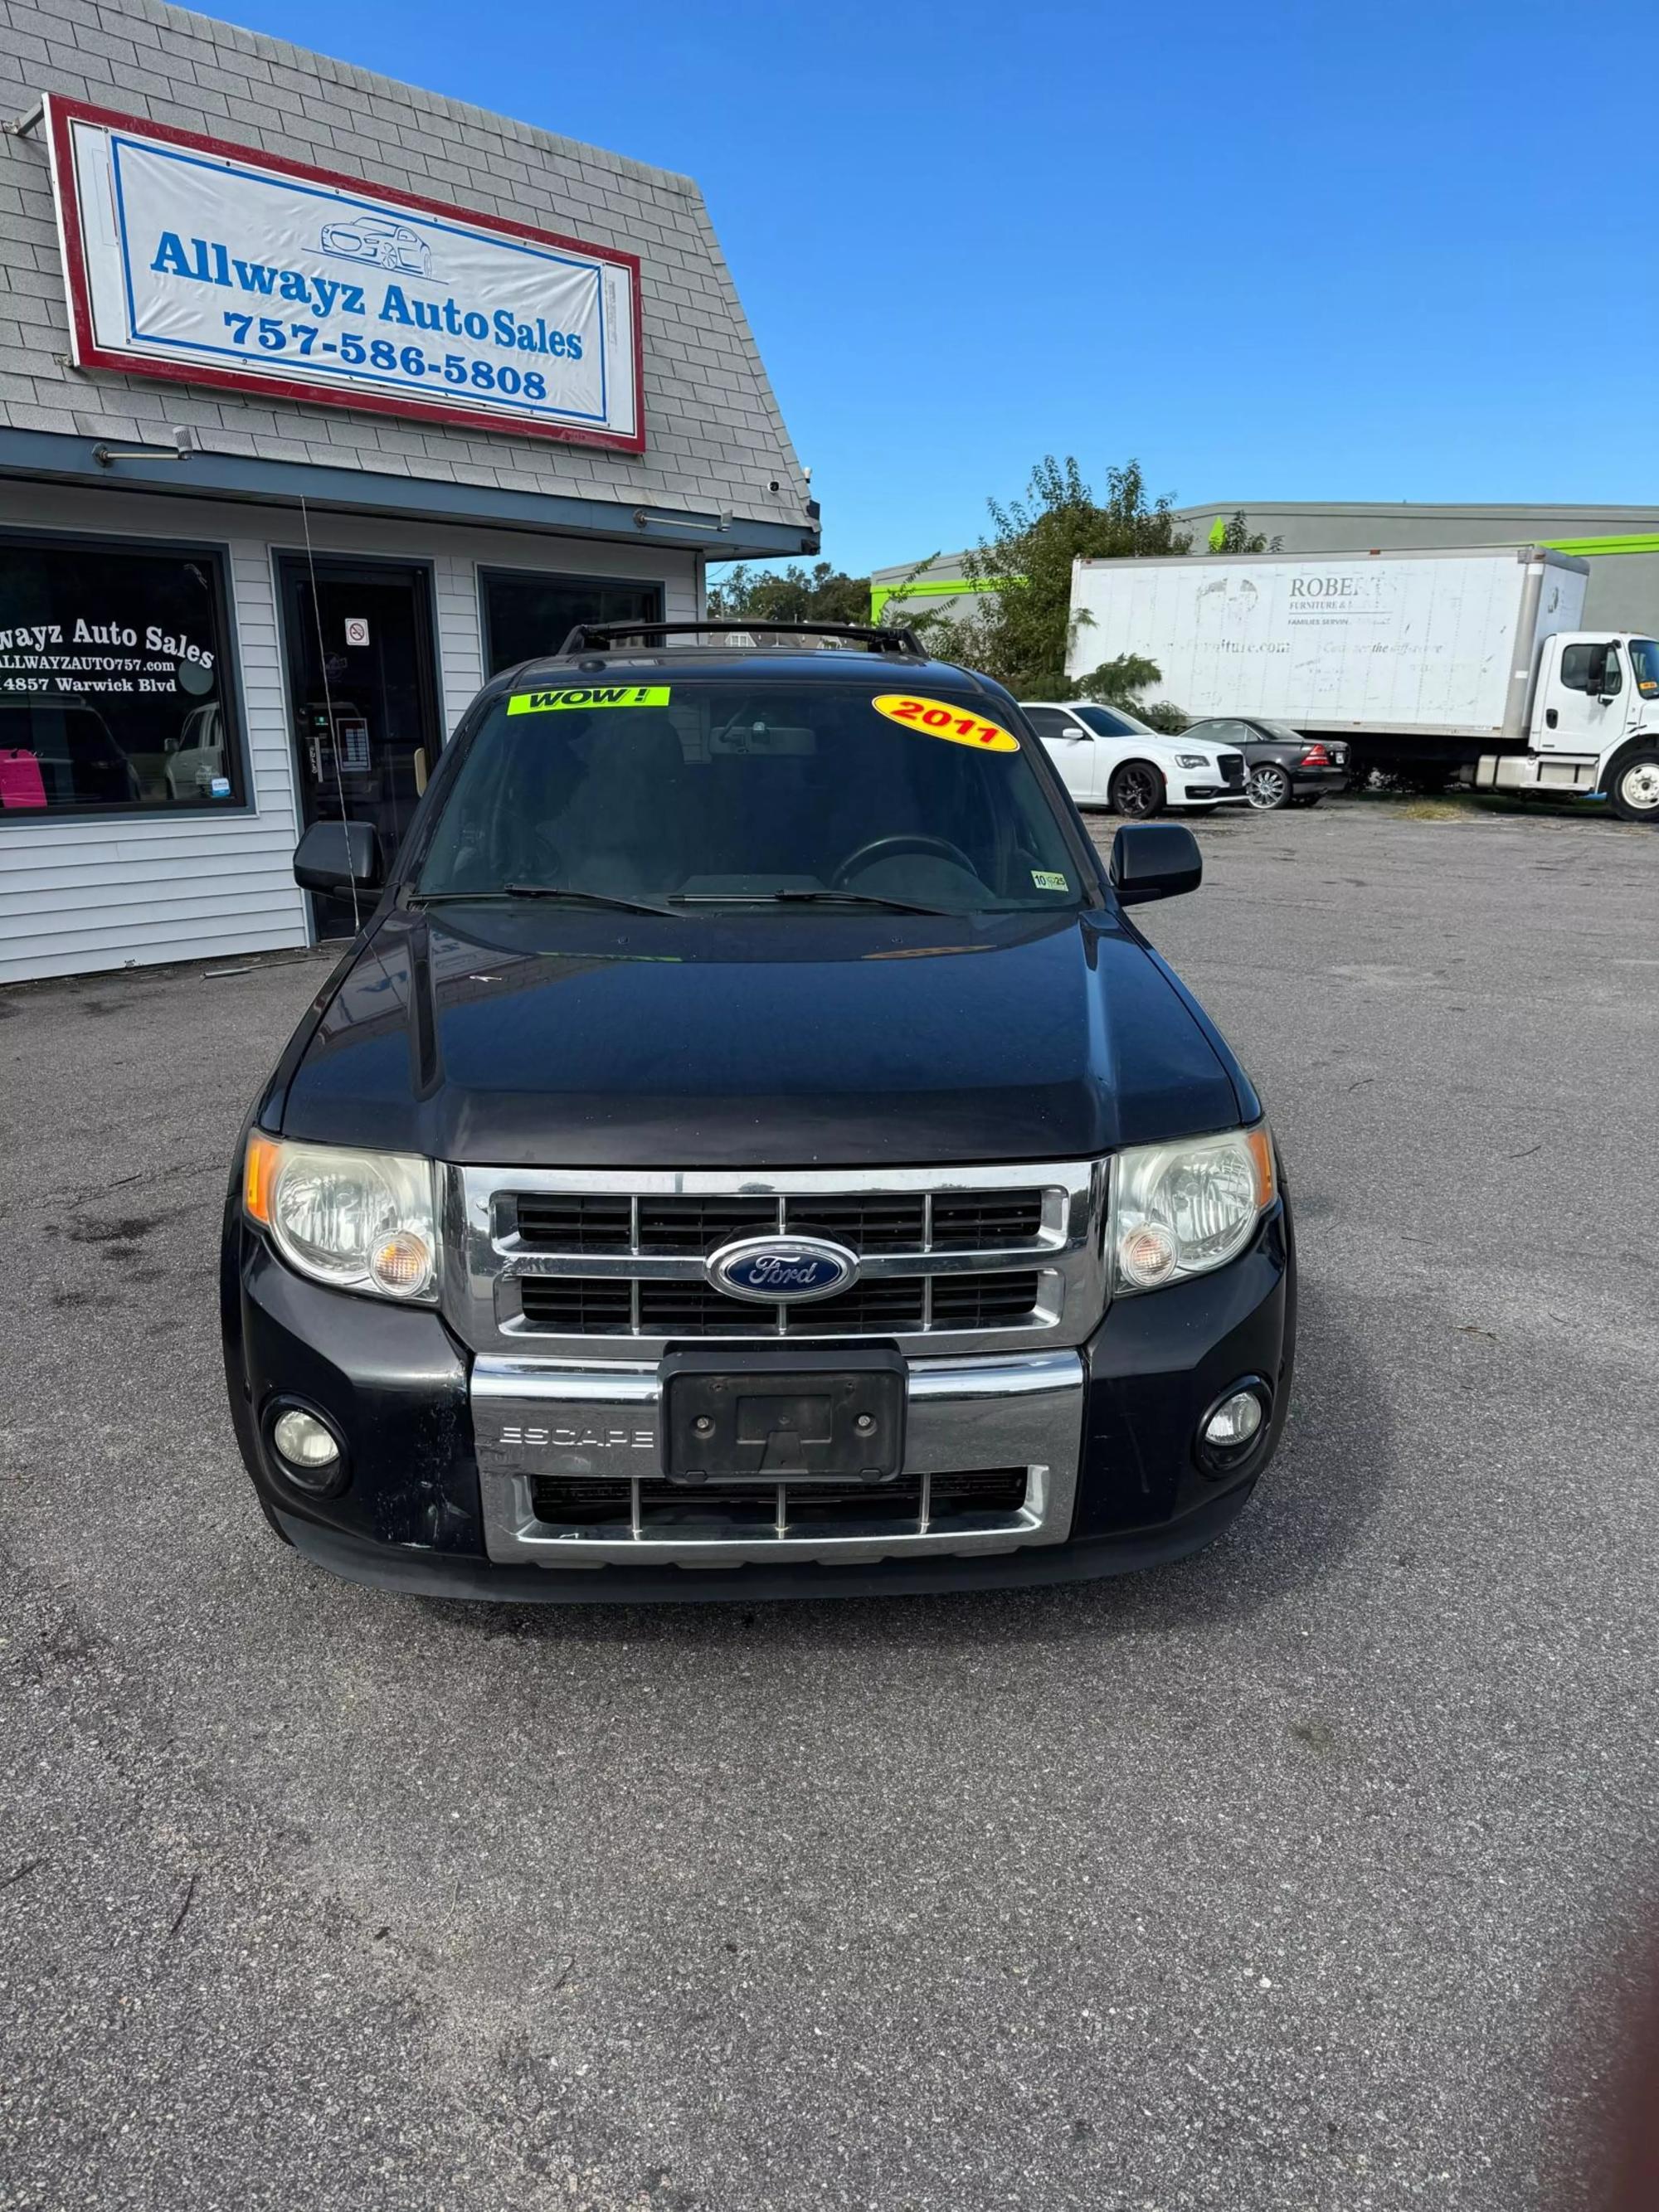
[1182, 1209]
[402, 1264]
[1266, 1174]
[1147, 1256]
[258, 1174]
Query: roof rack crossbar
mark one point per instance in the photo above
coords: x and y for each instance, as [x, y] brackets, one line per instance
[897, 639]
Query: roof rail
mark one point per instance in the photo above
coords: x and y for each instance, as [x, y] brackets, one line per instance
[898, 639]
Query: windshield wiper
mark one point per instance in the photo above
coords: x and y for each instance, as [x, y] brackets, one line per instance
[805, 898]
[587, 898]
[544, 891]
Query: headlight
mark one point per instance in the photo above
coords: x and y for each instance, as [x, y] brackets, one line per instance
[1179, 1209]
[1191, 760]
[361, 1221]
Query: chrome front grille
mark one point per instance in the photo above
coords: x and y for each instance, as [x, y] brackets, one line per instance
[572, 1263]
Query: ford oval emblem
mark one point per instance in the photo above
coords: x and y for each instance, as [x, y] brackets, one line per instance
[767, 1268]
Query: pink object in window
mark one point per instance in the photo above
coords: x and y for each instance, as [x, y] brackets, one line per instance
[19, 779]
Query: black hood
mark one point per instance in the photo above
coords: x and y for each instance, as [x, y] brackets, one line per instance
[570, 1038]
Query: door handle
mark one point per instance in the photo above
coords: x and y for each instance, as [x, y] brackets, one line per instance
[1551, 718]
[419, 758]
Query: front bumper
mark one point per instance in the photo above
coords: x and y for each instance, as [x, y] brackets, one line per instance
[444, 1450]
[1200, 789]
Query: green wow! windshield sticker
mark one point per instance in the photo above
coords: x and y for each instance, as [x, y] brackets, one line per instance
[588, 695]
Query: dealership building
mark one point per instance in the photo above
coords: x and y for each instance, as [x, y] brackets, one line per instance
[1621, 544]
[321, 399]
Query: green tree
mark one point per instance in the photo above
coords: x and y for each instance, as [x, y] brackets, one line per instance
[1120, 683]
[821, 594]
[935, 633]
[1233, 534]
[1021, 626]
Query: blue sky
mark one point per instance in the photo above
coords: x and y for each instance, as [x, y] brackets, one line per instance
[1271, 249]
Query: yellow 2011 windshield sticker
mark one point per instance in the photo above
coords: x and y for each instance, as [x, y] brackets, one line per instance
[938, 718]
[570, 697]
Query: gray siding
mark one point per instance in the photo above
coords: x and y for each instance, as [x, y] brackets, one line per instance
[714, 432]
[1623, 593]
[81, 894]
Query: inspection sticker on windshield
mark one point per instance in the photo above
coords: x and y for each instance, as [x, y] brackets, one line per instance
[1047, 880]
[588, 695]
[938, 718]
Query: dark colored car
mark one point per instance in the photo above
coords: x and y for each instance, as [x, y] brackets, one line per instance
[750, 1149]
[1282, 768]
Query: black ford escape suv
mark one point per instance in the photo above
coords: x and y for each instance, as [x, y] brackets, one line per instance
[748, 1150]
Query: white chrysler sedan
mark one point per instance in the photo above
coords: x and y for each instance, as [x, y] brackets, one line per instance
[1107, 758]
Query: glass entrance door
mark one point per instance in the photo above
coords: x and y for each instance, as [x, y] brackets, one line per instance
[362, 687]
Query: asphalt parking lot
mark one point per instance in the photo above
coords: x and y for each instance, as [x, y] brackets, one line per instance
[1307, 1873]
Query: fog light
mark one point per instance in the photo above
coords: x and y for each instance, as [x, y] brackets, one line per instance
[1234, 1421]
[307, 1446]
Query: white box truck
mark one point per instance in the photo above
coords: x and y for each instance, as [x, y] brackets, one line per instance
[1465, 664]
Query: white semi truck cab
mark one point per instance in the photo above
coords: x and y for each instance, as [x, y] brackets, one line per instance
[1593, 724]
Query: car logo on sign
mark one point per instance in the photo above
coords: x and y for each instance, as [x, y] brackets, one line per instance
[770, 1268]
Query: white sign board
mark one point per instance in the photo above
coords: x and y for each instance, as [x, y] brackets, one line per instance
[211, 264]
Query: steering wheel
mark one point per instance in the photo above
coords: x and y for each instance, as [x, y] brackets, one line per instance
[882, 848]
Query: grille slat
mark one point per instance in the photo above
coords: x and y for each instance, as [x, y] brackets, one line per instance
[863, 1224]
[980, 1222]
[982, 1301]
[718, 1507]
[575, 1222]
[578, 1305]
[702, 1224]
[581, 1305]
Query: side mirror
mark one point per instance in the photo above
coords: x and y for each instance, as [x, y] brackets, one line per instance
[336, 857]
[1155, 860]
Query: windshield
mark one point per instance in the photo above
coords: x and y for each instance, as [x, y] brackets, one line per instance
[1644, 665]
[724, 791]
[1112, 722]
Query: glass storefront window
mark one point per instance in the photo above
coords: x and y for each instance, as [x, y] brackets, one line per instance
[115, 690]
[527, 617]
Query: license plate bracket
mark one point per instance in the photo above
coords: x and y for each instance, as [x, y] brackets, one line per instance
[783, 1416]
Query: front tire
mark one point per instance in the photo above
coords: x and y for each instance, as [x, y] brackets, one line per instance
[1635, 793]
[1268, 787]
[1136, 790]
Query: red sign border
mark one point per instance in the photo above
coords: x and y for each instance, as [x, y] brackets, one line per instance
[61, 113]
